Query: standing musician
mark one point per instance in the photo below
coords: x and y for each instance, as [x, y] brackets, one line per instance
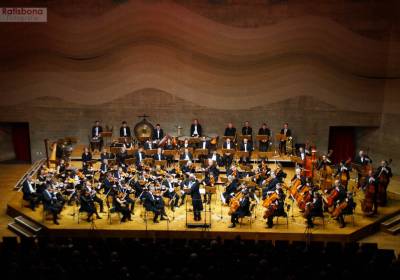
[370, 204]
[125, 130]
[159, 155]
[87, 205]
[228, 157]
[121, 206]
[195, 129]
[158, 133]
[29, 193]
[230, 130]
[276, 206]
[343, 171]
[243, 208]
[313, 209]
[383, 173]
[247, 130]
[264, 144]
[194, 187]
[302, 154]
[286, 133]
[364, 161]
[96, 135]
[246, 147]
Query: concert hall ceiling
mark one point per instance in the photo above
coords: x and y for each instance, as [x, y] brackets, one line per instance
[202, 53]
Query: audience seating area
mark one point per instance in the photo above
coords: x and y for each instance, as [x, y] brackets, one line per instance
[114, 258]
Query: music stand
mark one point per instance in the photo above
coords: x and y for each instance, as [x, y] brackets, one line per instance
[280, 137]
[160, 163]
[248, 137]
[230, 137]
[182, 162]
[122, 139]
[200, 152]
[115, 150]
[148, 161]
[150, 152]
[131, 152]
[261, 138]
[242, 154]
[143, 138]
[228, 151]
[194, 140]
[190, 149]
[297, 160]
[130, 161]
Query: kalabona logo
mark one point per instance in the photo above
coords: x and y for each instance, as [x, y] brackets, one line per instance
[23, 14]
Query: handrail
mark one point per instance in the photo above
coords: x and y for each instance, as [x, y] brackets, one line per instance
[32, 170]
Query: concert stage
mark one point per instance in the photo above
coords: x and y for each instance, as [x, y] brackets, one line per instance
[220, 220]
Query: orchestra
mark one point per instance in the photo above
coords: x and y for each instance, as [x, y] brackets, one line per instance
[162, 182]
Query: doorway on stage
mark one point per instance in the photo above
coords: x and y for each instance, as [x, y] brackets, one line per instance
[15, 146]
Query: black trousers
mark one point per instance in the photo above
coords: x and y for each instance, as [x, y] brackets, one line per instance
[282, 147]
[99, 201]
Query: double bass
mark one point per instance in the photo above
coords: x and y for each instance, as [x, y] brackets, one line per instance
[383, 182]
[367, 203]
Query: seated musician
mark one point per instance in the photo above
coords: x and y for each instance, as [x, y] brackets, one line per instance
[29, 193]
[149, 203]
[61, 169]
[271, 187]
[139, 156]
[345, 206]
[125, 130]
[51, 203]
[159, 155]
[286, 132]
[313, 209]
[246, 146]
[169, 145]
[186, 155]
[343, 170]
[128, 145]
[247, 130]
[243, 210]
[169, 184]
[121, 156]
[299, 176]
[186, 144]
[216, 158]
[106, 155]
[204, 144]
[189, 167]
[86, 156]
[93, 195]
[97, 129]
[341, 193]
[211, 174]
[278, 209]
[148, 145]
[159, 203]
[230, 189]
[121, 206]
[264, 144]
[228, 157]
[233, 171]
[87, 205]
[103, 169]
[195, 129]
[158, 133]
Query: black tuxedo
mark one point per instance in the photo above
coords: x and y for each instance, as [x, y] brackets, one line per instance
[99, 130]
[128, 132]
[158, 136]
[249, 147]
[247, 130]
[196, 199]
[147, 146]
[265, 131]
[199, 130]
[362, 160]
[217, 159]
[155, 157]
[201, 145]
[288, 132]
[230, 131]
[86, 157]
[138, 158]
[183, 156]
[29, 195]
[263, 145]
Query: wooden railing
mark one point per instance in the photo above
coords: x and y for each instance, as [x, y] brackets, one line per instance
[32, 171]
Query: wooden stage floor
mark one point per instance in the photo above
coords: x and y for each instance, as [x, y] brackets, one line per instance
[220, 220]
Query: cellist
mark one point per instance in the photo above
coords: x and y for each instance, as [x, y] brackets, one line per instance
[276, 208]
[243, 209]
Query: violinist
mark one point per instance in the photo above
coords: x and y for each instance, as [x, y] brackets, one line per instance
[29, 193]
[189, 167]
[169, 184]
[121, 156]
[313, 209]
[211, 174]
[122, 207]
[277, 207]
[232, 171]
[61, 169]
[87, 205]
[103, 170]
[93, 195]
[384, 174]
[243, 209]
[51, 203]
[159, 203]
[149, 203]
[343, 171]
[264, 144]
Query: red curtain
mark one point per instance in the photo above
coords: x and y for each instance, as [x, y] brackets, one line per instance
[342, 142]
[21, 141]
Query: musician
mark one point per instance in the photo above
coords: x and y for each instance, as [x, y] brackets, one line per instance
[341, 192]
[205, 145]
[299, 176]
[169, 185]
[233, 171]
[106, 155]
[216, 158]
[343, 169]
[302, 154]
[87, 205]
[343, 207]
[272, 185]
[384, 174]
[125, 130]
[286, 132]
[230, 130]
[61, 169]
[374, 182]
[103, 169]
[246, 146]
[211, 174]
[195, 129]
[96, 134]
[264, 144]
[186, 144]
[189, 167]
[86, 156]
[169, 145]
[149, 203]
[323, 163]
[243, 210]
[128, 145]
[313, 209]
[158, 133]
[186, 155]
[230, 189]
[121, 156]
[159, 203]
[247, 130]
[148, 145]
[93, 195]
[29, 193]
[278, 210]
[159, 155]
[228, 157]
[51, 204]
[139, 156]
[194, 192]
[362, 159]
[122, 207]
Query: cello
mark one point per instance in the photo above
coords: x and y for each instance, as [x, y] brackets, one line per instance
[383, 182]
[269, 204]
